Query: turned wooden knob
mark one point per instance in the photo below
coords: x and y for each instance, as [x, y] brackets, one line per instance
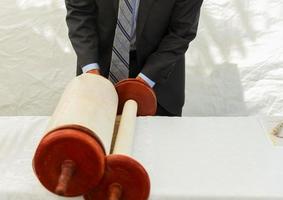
[67, 171]
[115, 191]
[139, 92]
[69, 161]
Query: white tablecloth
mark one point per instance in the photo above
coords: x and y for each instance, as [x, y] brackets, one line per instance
[187, 158]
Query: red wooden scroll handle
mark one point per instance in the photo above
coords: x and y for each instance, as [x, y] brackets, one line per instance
[115, 191]
[67, 171]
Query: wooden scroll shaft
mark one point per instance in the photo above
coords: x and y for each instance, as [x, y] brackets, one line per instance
[67, 171]
[115, 191]
[124, 141]
[125, 178]
[125, 134]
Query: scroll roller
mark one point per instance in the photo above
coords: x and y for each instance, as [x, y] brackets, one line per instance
[125, 178]
[70, 159]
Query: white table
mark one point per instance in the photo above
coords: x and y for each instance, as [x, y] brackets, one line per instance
[187, 158]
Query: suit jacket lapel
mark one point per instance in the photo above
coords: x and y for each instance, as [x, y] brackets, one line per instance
[116, 6]
[144, 9]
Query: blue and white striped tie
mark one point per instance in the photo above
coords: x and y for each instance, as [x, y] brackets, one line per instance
[119, 68]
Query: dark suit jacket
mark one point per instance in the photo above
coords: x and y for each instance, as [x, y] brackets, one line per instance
[164, 30]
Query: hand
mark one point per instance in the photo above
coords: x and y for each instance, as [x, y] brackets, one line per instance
[140, 79]
[94, 71]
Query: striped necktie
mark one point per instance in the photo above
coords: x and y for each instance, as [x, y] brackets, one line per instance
[119, 68]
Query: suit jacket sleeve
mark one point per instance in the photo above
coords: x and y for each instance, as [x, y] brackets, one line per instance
[82, 30]
[181, 31]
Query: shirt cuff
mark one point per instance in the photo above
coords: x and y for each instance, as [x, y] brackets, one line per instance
[147, 80]
[89, 67]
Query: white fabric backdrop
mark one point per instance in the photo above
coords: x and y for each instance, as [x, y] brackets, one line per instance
[234, 67]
